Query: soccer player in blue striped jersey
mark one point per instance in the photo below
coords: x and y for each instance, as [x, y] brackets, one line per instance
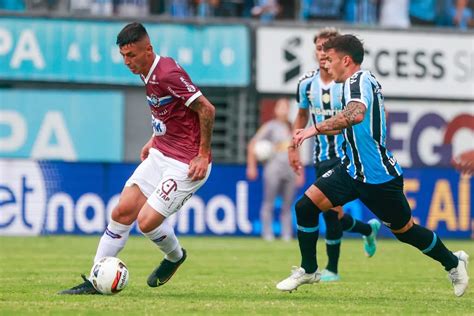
[319, 98]
[369, 171]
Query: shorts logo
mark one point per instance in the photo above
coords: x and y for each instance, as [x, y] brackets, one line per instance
[167, 187]
[328, 173]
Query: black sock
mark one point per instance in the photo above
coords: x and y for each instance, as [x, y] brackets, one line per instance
[333, 252]
[333, 239]
[427, 241]
[352, 225]
[307, 218]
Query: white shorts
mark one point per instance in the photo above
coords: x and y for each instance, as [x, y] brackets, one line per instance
[165, 182]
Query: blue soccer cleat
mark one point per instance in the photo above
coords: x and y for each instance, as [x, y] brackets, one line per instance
[370, 242]
[329, 276]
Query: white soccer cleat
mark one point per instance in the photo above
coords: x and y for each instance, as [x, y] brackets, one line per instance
[458, 275]
[298, 277]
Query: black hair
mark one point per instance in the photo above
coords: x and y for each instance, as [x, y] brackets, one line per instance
[347, 44]
[131, 33]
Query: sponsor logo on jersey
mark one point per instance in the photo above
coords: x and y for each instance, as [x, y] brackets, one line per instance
[159, 127]
[189, 86]
[326, 112]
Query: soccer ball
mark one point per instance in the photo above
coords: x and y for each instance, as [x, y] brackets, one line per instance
[263, 150]
[109, 275]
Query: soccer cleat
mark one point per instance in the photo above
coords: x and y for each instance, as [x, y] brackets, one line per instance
[84, 288]
[329, 276]
[370, 242]
[458, 275]
[298, 277]
[164, 271]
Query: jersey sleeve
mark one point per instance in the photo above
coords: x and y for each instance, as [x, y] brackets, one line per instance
[359, 89]
[301, 93]
[179, 84]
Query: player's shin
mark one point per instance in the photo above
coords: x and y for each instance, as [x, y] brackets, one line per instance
[333, 239]
[307, 218]
[113, 240]
[164, 237]
[429, 244]
[352, 225]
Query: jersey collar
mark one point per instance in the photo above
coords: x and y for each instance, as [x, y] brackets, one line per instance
[152, 68]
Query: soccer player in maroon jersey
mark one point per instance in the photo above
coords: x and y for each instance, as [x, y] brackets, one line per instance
[176, 160]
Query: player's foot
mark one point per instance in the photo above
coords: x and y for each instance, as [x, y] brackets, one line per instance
[164, 271]
[458, 275]
[329, 276]
[370, 242]
[298, 277]
[84, 288]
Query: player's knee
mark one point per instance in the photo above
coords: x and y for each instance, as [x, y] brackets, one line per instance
[124, 214]
[144, 223]
[307, 213]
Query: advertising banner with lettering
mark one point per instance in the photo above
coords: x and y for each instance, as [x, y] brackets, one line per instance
[62, 125]
[429, 133]
[85, 51]
[77, 198]
[407, 63]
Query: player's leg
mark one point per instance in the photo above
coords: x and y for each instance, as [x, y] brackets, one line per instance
[155, 226]
[333, 244]
[368, 231]
[271, 182]
[389, 203]
[286, 221]
[332, 189]
[123, 215]
[173, 190]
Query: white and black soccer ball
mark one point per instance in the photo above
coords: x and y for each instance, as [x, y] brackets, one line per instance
[109, 275]
[263, 150]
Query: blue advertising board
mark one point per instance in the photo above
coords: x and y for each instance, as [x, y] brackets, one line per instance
[85, 51]
[62, 125]
[77, 198]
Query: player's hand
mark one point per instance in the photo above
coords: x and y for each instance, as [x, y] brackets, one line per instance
[294, 159]
[198, 168]
[252, 173]
[146, 150]
[300, 135]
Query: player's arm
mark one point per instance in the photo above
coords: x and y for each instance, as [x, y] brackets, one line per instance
[206, 113]
[352, 114]
[252, 171]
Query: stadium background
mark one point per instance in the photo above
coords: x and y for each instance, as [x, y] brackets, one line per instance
[73, 119]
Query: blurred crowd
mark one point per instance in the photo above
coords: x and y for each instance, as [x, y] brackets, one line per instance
[389, 13]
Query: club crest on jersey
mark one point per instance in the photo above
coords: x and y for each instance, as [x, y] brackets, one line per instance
[159, 127]
[154, 101]
[328, 173]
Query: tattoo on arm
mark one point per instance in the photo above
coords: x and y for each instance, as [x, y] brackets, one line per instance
[206, 112]
[353, 114]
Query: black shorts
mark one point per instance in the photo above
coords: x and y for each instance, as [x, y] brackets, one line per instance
[326, 165]
[386, 200]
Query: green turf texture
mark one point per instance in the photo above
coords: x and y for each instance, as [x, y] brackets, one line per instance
[228, 276]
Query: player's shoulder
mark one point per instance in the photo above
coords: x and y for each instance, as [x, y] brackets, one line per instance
[168, 64]
[308, 76]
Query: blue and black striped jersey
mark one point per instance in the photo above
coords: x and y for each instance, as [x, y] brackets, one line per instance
[366, 157]
[323, 102]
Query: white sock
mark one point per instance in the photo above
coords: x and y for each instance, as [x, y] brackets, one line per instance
[163, 236]
[113, 240]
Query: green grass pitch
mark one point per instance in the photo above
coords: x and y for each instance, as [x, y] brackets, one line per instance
[228, 276]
